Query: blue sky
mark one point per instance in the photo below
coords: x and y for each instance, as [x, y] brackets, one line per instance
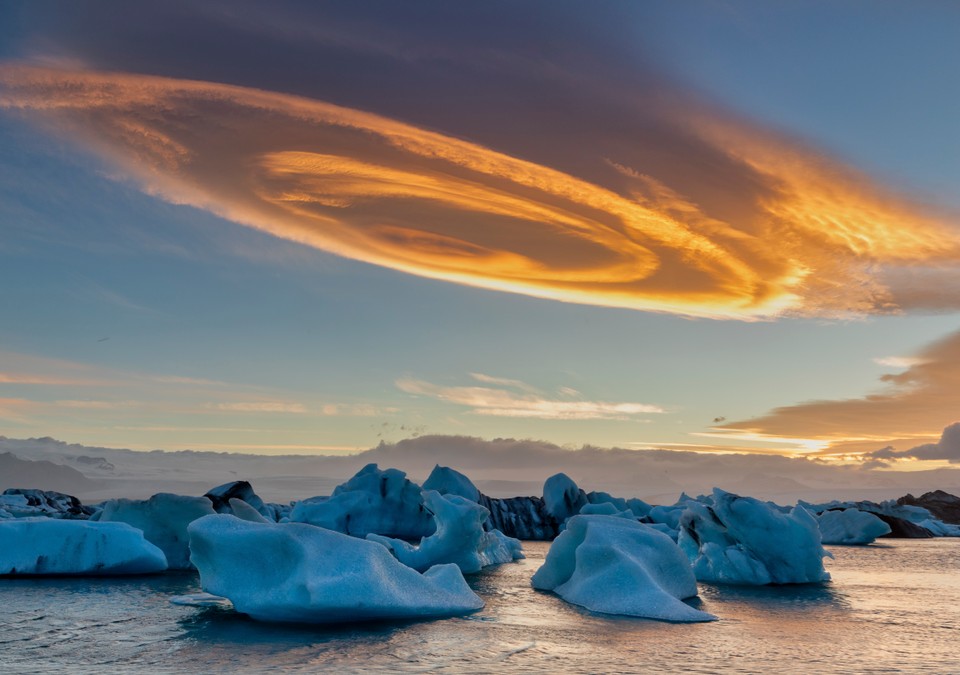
[133, 321]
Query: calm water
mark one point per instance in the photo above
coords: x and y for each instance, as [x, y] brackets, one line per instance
[890, 608]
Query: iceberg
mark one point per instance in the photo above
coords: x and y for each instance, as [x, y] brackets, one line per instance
[613, 565]
[372, 502]
[741, 540]
[77, 547]
[222, 496]
[448, 481]
[459, 538]
[561, 497]
[850, 526]
[163, 519]
[293, 572]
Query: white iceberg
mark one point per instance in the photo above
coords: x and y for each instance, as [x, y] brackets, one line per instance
[79, 547]
[740, 540]
[163, 519]
[373, 501]
[614, 565]
[459, 538]
[293, 572]
[850, 526]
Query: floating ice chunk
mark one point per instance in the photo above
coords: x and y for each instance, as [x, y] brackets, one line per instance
[562, 498]
[604, 509]
[294, 572]
[373, 501]
[638, 507]
[28, 503]
[667, 515]
[447, 481]
[222, 495]
[459, 538]
[163, 518]
[244, 511]
[80, 547]
[850, 526]
[740, 540]
[666, 529]
[938, 528]
[618, 566]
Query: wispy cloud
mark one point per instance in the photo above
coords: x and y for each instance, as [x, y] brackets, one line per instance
[85, 404]
[51, 380]
[356, 410]
[898, 361]
[805, 234]
[506, 403]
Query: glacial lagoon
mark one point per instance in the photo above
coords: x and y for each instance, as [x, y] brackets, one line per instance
[891, 607]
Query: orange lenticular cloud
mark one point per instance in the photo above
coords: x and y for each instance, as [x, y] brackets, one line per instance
[816, 238]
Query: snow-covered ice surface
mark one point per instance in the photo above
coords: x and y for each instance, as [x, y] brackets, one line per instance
[891, 607]
[615, 565]
[741, 540]
[293, 572]
[53, 546]
[850, 526]
[459, 538]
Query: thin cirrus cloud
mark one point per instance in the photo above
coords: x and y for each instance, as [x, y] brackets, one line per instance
[924, 396]
[529, 402]
[810, 237]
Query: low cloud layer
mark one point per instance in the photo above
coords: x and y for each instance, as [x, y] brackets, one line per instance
[947, 448]
[796, 233]
[518, 399]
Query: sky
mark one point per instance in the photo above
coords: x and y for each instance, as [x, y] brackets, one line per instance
[307, 227]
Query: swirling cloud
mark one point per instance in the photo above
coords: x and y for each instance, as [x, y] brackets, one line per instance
[813, 238]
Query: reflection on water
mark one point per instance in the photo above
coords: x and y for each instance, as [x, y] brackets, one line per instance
[889, 607]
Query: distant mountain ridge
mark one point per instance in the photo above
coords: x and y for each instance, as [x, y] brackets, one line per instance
[501, 467]
[44, 475]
